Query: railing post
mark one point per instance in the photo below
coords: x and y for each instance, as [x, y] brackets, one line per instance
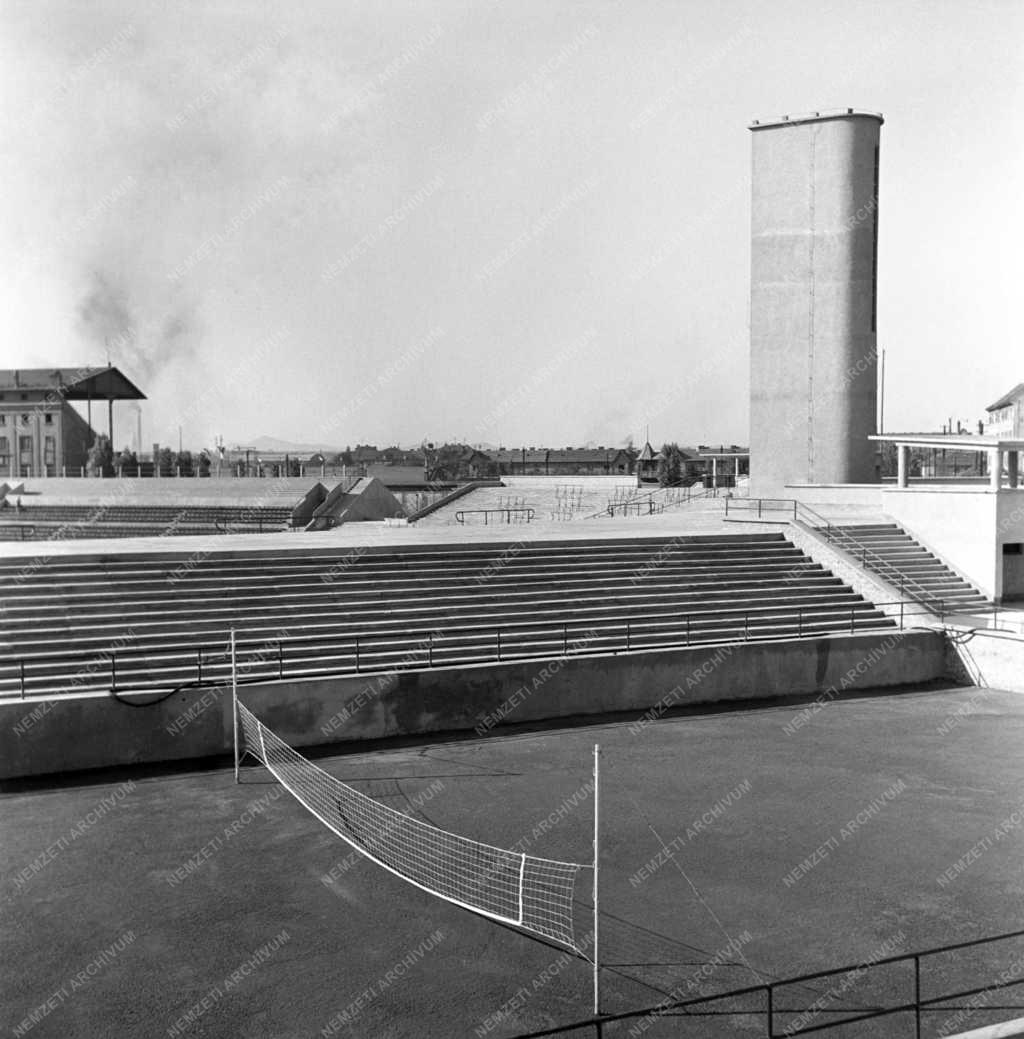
[498, 642]
[430, 650]
[23, 680]
[357, 654]
[113, 670]
[746, 627]
[758, 507]
[199, 666]
[565, 640]
[851, 621]
[771, 1013]
[799, 624]
[280, 659]
[687, 629]
[627, 635]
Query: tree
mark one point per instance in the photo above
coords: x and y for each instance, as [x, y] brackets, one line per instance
[101, 457]
[204, 462]
[128, 463]
[166, 461]
[184, 462]
[670, 466]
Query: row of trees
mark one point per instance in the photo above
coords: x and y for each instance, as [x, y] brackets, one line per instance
[103, 462]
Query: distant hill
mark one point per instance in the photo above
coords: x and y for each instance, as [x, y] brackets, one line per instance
[272, 445]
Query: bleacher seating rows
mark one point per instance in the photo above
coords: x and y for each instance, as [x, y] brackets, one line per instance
[310, 612]
[42, 522]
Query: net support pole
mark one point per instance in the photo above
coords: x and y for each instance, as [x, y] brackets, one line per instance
[234, 701]
[597, 858]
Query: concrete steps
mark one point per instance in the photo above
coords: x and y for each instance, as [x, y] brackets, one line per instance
[156, 619]
[888, 550]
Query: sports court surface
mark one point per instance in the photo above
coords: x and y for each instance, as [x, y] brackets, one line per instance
[147, 903]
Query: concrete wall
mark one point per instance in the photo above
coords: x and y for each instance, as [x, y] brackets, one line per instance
[813, 355]
[868, 495]
[958, 525]
[246, 490]
[39, 737]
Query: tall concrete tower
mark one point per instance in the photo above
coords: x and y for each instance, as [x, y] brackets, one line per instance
[813, 292]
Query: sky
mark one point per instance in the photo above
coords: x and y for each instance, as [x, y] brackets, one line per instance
[509, 224]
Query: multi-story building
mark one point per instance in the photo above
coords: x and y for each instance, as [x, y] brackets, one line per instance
[1006, 416]
[41, 434]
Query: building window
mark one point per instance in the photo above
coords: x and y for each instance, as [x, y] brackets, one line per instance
[24, 396]
[48, 419]
[24, 420]
[3, 420]
[50, 451]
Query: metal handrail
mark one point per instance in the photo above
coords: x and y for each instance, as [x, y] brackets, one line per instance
[460, 516]
[771, 1008]
[881, 565]
[481, 643]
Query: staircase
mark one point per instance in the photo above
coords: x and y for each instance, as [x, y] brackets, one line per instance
[888, 550]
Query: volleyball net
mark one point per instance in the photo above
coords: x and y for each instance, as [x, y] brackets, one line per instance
[511, 887]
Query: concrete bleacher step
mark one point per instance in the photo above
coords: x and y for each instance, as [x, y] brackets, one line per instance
[158, 667]
[172, 609]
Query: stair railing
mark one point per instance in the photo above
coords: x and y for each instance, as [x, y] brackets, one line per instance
[861, 553]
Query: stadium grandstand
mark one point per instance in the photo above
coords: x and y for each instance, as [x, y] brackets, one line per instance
[597, 753]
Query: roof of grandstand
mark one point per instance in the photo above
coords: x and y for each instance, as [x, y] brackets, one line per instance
[73, 383]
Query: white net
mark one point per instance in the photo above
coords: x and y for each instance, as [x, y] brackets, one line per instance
[528, 892]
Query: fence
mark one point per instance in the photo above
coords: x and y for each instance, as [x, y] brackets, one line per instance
[771, 1013]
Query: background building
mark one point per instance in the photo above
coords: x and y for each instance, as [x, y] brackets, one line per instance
[1006, 416]
[813, 315]
[41, 434]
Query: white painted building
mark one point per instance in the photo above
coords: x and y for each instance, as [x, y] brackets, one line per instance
[1006, 416]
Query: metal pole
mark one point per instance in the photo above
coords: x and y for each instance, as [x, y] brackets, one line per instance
[597, 849]
[234, 701]
[917, 997]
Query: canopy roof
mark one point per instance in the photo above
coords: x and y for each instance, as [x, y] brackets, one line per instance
[73, 383]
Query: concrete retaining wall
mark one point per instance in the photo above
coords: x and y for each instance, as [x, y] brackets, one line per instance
[39, 737]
